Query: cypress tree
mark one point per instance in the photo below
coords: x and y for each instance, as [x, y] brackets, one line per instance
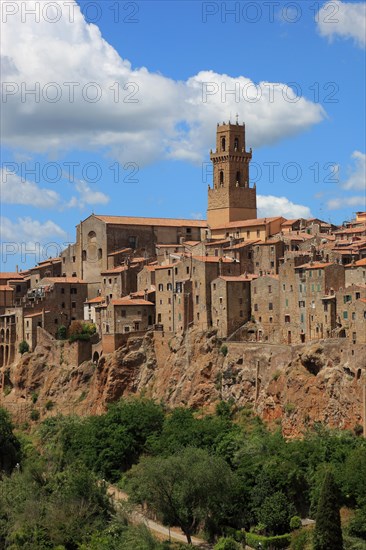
[328, 531]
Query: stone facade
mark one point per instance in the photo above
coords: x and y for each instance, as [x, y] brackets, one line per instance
[230, 304]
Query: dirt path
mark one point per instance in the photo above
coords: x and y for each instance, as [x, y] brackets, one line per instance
[163, 532]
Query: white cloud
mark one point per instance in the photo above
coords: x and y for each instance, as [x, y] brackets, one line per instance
[269, 205]
[357, 177]
[339, 203]
[28, 230]
[344, 19]
[17, 190]
[87, 196]
[152, 117]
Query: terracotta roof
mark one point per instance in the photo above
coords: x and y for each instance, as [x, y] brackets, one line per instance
[63, 280]
[290, 222]
[7, 288]
[249, 223]
[242, 245]
[169, 245]
[142, 292]
[50, 260]
[167, 266]
[219, 241]
[363, 300]
[314, 265]
[351, 230]
[138, 260]
[11, 275]
[97, 300]
[121, 251]
[269, 241]
[238, 279]
[131, 302]
[162, 222]
[118, 269]
[191, 243]
[37, 314]
[357, 263]
[213, 259]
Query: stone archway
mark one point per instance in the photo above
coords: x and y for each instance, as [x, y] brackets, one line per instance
[95, 357]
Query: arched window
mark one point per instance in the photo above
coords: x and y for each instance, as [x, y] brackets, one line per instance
[221, 178]
[92, 236]
[100, 253]
[83, 255]
[236, 144]
[223, 144]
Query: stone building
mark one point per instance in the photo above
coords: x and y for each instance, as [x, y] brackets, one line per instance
[351, 313]
[355, 272]
[266, 256]
[97, 237]
[119, 281]
[230, 303]
[265, 297]
[231, 198]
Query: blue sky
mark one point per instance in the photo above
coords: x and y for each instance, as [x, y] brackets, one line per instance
[132, 134]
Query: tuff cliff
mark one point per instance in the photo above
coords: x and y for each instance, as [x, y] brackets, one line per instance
[298, 385]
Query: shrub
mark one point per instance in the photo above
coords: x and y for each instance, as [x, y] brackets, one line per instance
[81, 337]
[34, 415]
[49, 405]
[269, 543]
[295, 523]
[358, 429]
[300, 539]
[23, 347]
[34, 397]
[76, 327]
[224, 350]
[61, 333]
[227, 544]
[89, 328]
[289, 408]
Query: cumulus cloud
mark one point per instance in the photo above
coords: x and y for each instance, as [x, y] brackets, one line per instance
[357, 176]
[346, 20]
[269, 205]
[16, 190]
[87, 196]
[88, 97]
[339, 203]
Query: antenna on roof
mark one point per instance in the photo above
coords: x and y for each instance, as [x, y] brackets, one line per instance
[237, 118]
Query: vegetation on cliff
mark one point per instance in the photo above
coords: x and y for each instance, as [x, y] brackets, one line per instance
[223, 474]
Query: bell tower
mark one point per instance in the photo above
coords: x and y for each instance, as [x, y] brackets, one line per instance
[231, 199]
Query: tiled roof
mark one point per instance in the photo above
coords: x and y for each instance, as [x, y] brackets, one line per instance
[238, 279]
[63, 280]
[290, 222]
[161, 222]
[167, 266]
[97, 300]
[7, 288]
[213, 259]
[249, 223]
[351, 230]
[243, 244]
[357, 263]
[315, 265]
[191, 243]
[115, 270]
[215, 243]
[37, 314]
[121, 251]
[131, 302]
[11, 275]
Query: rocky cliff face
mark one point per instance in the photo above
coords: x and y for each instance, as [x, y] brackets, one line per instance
[297, 385]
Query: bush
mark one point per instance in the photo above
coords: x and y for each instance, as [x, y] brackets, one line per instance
[281, 541]
[227, 544]
[34, 415]
[224, 350]
[295, 523]
[49, 405]
[23, 347]
[34, 397]
[300, 540]
[62, 333]
[357, 525]
[79, 336]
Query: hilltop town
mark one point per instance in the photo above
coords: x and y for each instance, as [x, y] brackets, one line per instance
[261, 280]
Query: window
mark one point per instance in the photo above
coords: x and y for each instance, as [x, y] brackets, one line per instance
[169, 300]
[221, 178]
[187, 269]
[301, 318]
[236, 144]
[123, 313]
[56, 321]
[319, 287]
[346, 298]
[73, 290]
[248, 234]
[214, 286]
[18, 288]
[223, 144]
[270, 306]
[258, 233]
[300, 288]
[271, 319]
[198, 316]
[189, 230]
[240, 301]
[319, 272]
[220, 299]
[127, 329]
[83, 255]
[73, 259]
[62, 290]
[110, 281]
[284, 287]
[238, 177]
[161, 287]
[241, 313]
[197, 299]
[358, 295]
[269, 289]
[345, 315]
[286, 302]
[287, 319]
[169, 286]
[63, 305]
[161, 302]
[312, 288]
[255, 307]
[132, 241]
[272, 264]
[73, 305]
[353, 316]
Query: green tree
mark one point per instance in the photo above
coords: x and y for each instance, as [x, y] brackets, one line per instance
[328, 531]
[23, 347]
[186, 490]
[275, 514]
[9, 444]
[62, 332]
[227, 544]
